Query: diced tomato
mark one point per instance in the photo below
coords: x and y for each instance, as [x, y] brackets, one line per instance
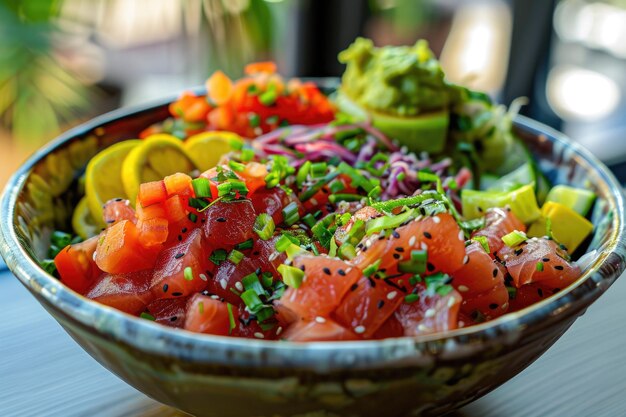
[178, 184]
[326, 281]
[498, 223]
[120, 250]
[431, 313]
[229, 223]
[481, 283]
[256, 67]
[151, 193]
[539, 260]
[219, 88]
[117, 210]
[127, 292]
[254, 175]
[190, 107]
[76, 265]
[169, 311]
[316, 331]
[170, 279]
[206, 315]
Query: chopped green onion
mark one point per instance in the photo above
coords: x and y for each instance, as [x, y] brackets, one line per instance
[193, 217]
[416, 264]
[389, 205]
[415, 279]
[198, 203]
[264, 226]
[272, 120]
[539, 266]
[268, 98]
[549, 227]
[201, 188]
[264, 314]
[291, 214]
[251, 282]
[484, 242]
[334, 198]
[333, 248]
[318, 169]
[336, 186]
[302, 174]
[247, 154]
[201, 307]
[514, 238]
[322, 230]
[147, 316]
[444, 290]
[236, 166]
[347, 251]
[411, 298]
[371, 269]
[309, 220]
[425, 176]
[343, 219]
[49, 266]
[389, 222]
[251, 299]
[310, 192]
[236, 144]
[375, 192]
[358, 180]
[246, 244]
[267, 279]
[512, 292]
[292, 276]
[188, 274]
[218, 256]
[401, 176]
[235, 256]
[283, 243]
[231, 318]
[254, 119]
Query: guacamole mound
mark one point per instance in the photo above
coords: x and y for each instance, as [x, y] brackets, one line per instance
[396, 80]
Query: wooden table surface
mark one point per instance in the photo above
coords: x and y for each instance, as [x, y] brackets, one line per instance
[44, 373]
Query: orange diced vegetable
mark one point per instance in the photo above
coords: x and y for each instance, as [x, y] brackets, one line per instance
[219, 88]
[151, 193]
[256, 67]
[178, 184]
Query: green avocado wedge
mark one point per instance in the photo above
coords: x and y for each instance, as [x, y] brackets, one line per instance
[425, 132]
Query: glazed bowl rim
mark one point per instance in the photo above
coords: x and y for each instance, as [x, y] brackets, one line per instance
[158, 339]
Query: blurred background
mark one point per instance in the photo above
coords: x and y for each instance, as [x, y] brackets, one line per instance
[65, 61]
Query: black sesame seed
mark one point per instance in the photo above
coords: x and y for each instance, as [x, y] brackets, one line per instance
[173, 318]
[220, 219]
[546, 259]
[372, 282]
[165, 287]
[354, 287]
[177, 294]
[184, 230]
[381, 303]
[180, 238]
[396, 234]
[540, 292]
[209, 273]
[118, 199]
[258, 271]
[480, 209]
[396, 256]
[341, 272]
[519, 251]
[558, 267]
[493, 306]
[495, 272]
[326, 270]
[110, 221]
[302, 268]
[179, 255]
[399, 249]
[428, 235]
[430, 267]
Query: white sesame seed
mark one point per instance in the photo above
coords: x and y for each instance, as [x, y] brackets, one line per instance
[94, 256]
[368, 243]
[203, 277]
[215, 297]
[313, 201]
[239, 286]
[273, 256]
[461, 324]
[412, 241]
[348, 270]
[259, 335]
[424, 246]
[423, 328]
[461, 236]
[223, 283]
[320, 319]
[392, 295]
[287, 262]
[436, 219]
[279, 330]
[463, 288]
[465, 259]
[505, 306]
[429, 313]
[451, 302]
[359, 329]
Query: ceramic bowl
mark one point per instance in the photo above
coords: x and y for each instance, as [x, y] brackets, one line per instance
[228, 377]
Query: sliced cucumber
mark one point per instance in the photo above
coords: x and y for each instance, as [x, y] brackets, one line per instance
[425, 132]
[522, 202]
[578, 199]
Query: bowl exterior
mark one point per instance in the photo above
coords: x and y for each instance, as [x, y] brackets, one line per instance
[215, 376]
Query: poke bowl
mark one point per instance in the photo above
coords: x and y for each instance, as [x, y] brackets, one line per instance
[209, 375]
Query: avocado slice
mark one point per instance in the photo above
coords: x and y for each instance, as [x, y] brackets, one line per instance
[567, 227]
[424, 132]
[522, 202]
[577, 199]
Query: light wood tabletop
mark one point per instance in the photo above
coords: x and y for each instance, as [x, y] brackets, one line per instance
[44, 373]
